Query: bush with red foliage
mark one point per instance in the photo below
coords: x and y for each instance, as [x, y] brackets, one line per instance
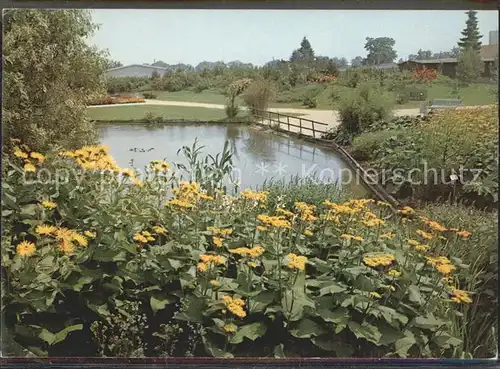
[425, 75]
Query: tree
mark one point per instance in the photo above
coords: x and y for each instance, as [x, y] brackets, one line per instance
[469, 66]
[357, 61]
[340, 62]
[304, 54]
[421, 55]
[50, 74]
[453, 53]
[471, 36]
[113, 64]
[380, 50]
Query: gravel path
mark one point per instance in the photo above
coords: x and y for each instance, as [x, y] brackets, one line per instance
[330, 117]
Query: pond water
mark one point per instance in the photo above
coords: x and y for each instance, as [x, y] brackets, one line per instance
[257, 155]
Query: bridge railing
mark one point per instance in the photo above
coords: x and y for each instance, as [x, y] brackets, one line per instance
[269, 117]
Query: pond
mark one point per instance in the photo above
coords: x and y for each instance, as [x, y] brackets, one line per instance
[257, 155]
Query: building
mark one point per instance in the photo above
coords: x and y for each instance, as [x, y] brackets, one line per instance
[448, 66]
[493, 38]
[135, 70]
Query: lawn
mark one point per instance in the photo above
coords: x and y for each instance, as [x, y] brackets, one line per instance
[124, 113]
[475, 94]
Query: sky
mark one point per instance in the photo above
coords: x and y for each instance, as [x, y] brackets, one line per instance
[257, 36]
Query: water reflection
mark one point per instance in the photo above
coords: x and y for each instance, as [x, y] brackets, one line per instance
[258, 155]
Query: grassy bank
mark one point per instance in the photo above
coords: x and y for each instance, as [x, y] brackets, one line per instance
[138, 112]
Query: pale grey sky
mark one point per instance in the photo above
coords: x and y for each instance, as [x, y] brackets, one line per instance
[257, 36]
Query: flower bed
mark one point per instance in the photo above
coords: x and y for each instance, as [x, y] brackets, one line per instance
[115, 260]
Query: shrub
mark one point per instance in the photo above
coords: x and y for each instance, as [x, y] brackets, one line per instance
[258, 95]
[416, 93]
[149, 95]
[365, 146]
[364, 106]
[450, 142]
[151, 118]
[232, 109]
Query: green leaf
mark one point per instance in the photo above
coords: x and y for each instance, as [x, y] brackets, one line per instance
[444, 340]
[389, 334]
[159, 302]
[250, 331]
[192, 310]
[429, 322]
[331, 289]
[366, 331]
[328, 343]
[214, 350]
[306, 328]
[364, 283]
[337, 316]
[262, 300]
[60, 336]
[414, 294]
[293, 304]
[102, 253]
[28, 210]
[279, 351]
[404, 344]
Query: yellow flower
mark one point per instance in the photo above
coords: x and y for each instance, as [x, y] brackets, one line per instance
[375, 295]
[25, 248]
[150, 238]
[406, 210]
[424, 234]
[393, 273]
[351, 237]
[48, 204]
[235, 306]
[20, 154]
[202, 267]
[308, 232]
[28, 167]
[137, 182]
[81, 240]
[127, 172]
[445, 268]
[435, 226]
[45, 229]
[140, 238]
[159, 230]
[306, 211]
[413, 242]
[285, 212]
[230, 328]
[387, 235]
[375, 260]
[65, 234]
[278, 222]
[252, 264]
[463, 234]
[253, 195]
[180, 203]
[37, 156]
[460, 297]
[89, 234]
[261, 228]
[215, 283]
[146, 234]
[373, 222]
[296, 262]
[217, 241]
[212, 259]
[422, 248]
[66, 246]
